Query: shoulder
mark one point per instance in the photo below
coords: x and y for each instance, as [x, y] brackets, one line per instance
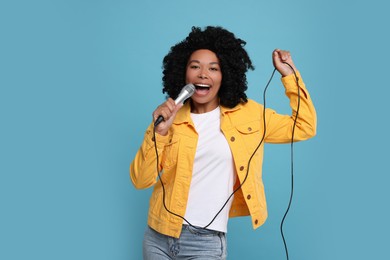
[250, 107]
[244, 112]
[251, 104]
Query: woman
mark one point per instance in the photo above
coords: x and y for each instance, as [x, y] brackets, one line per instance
[204, 146]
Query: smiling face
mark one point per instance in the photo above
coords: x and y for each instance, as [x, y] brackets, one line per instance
[204, 71]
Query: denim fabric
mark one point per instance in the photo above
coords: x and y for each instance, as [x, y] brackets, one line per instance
[193, 243]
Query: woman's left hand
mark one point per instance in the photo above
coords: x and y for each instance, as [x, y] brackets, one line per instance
[280, 57]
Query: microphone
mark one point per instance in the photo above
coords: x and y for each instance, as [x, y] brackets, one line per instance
[187, 91]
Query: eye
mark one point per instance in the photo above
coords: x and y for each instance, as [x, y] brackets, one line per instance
[194, 67]
[214, 69]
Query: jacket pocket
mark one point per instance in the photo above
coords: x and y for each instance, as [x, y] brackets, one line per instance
[251, 134]
[249, 128]
[170, 154]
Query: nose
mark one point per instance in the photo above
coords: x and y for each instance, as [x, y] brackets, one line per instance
[202, 75]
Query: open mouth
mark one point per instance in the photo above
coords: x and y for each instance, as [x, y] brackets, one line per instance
[202, 87]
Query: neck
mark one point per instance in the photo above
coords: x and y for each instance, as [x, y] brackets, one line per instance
[197, 108]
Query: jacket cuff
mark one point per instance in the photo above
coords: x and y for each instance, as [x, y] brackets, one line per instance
[162, 140]
[290, 81]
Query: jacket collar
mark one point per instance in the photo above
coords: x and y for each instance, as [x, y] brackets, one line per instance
[225, 110]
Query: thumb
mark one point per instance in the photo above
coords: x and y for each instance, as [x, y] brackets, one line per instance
[177, 107]
[276, 58]
[173, 115]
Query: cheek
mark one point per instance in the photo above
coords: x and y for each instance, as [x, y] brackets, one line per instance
[218, 79]
[189, 76]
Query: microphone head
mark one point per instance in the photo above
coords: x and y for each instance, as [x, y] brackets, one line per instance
[190, 88]
[186, 92]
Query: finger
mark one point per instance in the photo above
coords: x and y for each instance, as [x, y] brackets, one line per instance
[169, 104]
[177, 107]
[166, 114]
[284, 55]
[276, 54]
[276, 57]
[160, 111]
[281, 56]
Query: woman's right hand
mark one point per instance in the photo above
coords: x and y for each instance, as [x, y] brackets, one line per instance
[168, 111]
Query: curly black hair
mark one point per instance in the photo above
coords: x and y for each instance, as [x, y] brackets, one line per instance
[234, 62]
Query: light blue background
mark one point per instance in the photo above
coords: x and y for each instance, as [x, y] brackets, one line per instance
[80, 79]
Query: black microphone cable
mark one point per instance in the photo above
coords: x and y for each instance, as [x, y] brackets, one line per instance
[292, 160]
[248, 166]
[241, 184]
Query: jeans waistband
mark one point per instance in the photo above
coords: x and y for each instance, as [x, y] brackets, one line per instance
[200, 230]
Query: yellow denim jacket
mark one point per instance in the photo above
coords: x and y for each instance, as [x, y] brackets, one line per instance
[243, 128]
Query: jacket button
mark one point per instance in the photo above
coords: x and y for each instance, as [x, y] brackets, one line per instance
[249, 197]
[242, 168]
[232, 139]
[256, 222]
[153, 139]
[249, 128]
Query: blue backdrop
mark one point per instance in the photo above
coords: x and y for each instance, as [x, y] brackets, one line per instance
[80, 79]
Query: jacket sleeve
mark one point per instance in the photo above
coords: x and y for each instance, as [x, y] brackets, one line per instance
[280, 127]
[143, 169]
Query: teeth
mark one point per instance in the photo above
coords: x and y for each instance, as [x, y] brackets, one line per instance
[202, 85]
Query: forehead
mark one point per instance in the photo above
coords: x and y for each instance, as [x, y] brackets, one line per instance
[204, 56]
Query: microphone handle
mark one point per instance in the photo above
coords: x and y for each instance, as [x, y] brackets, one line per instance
[178, 100]
[159, 120]
[185, 93]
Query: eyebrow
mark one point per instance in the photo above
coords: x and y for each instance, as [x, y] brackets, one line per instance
[197, 61]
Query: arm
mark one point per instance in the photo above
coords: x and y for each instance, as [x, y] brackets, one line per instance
[280, 127]
[143, 169]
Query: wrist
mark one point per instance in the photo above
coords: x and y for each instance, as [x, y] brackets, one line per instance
[286, 73]
[162, 133]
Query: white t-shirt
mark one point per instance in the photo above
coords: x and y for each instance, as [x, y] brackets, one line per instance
[213, 174]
